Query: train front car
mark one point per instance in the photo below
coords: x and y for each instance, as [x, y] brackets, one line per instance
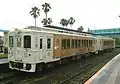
[21, 55]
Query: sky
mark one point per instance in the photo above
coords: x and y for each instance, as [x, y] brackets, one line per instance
[93, 14]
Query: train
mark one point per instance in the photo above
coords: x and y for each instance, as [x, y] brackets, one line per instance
[32, 48]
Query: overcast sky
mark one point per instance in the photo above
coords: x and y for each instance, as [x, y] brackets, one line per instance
[93, 14]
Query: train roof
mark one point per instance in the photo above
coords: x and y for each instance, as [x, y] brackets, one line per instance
[104, 37]
[62, 28]
[29, 30]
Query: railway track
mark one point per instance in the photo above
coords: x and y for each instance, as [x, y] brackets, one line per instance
[6, 78]
[80, 75]
[73, 73]
[74, 78]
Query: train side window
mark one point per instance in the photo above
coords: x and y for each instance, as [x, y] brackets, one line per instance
[48, 43]
[75, 43]
[93, 42]
[65, 45]
[90, 43]
[82, 43]
[68, 43]
[18, 42]
[11, 41]
[87, 43]
[79, 43]
[72, 43]
[62, 44]
[40, 43]
[27, 41]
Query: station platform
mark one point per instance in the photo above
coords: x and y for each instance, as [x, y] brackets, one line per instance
[109, 74]
[3, 60]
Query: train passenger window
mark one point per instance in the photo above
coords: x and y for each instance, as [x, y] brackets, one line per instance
[75, 43]
[82, 43]
[48, 43]
[11, 41]
[27, 41]
[72, 43]
[79, 43]
[87, 43]
[90, 43]
[18, 42]
[68, 43]
[41, 43]
[62, 44]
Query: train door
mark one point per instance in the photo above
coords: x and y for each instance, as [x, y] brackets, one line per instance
[41, 47]
[11, 49]
[48, 49]
[18, 55]
[45, 50]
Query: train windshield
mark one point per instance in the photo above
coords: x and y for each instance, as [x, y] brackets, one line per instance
[11, 42]
[27, 41]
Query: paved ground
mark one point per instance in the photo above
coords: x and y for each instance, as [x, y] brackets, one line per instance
[3, 61]
[109, 74]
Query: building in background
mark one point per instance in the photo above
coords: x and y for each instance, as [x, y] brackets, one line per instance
[1, 44]
[3, 41]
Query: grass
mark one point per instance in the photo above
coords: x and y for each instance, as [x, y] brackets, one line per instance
[3, 55]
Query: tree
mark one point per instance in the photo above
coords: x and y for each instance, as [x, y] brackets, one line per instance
[64, 22]
[80, 28]
[71, 21]
[48, 21]
[35, 12]
[46, 8]
[44, 21]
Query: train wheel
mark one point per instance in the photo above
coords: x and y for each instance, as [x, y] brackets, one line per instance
[73, 57]
[78, 57]
[83, 57]
[50, 65]
[96, 52]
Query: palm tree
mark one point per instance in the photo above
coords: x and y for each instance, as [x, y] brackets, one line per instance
[64, 22]
[80, 28]
[48, 21]
[46, 8]
[71, 21]
[35, 12]
[44, 21]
